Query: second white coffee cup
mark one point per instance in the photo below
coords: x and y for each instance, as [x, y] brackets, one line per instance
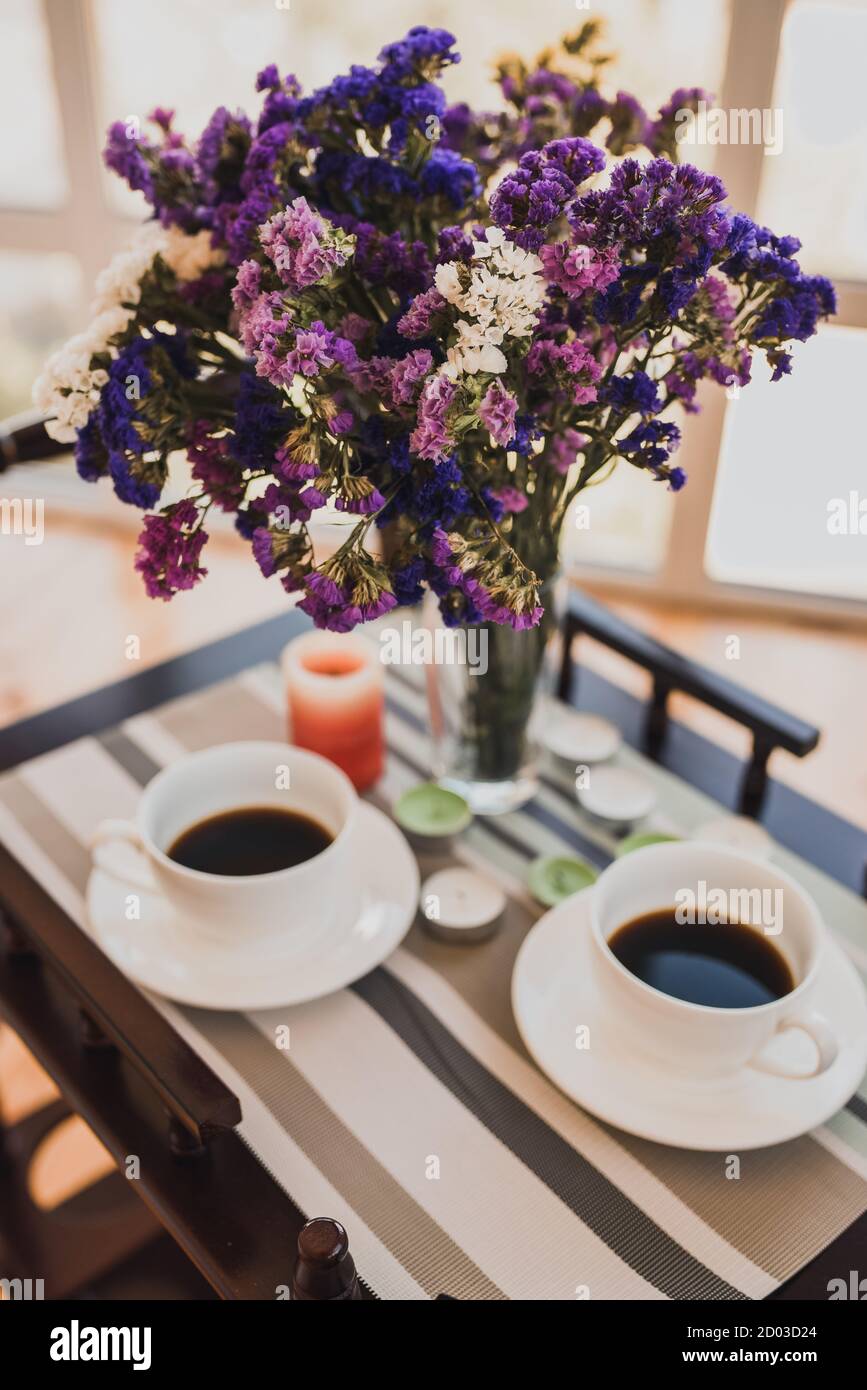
[698, 1040]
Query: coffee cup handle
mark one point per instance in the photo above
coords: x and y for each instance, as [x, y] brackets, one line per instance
[817, 1028]
[109, 834]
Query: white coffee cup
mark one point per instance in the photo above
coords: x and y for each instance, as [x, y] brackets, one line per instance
[306, 901]
[698, 1040]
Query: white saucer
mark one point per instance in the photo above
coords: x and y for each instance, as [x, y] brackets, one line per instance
[251, 975]
[552, 996]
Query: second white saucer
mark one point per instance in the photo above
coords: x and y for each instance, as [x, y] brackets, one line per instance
[553, 995]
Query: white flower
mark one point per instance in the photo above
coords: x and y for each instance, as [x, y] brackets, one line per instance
[501, 301]
[190, 256]
[120, 281]
[448, 281]
[67, 388]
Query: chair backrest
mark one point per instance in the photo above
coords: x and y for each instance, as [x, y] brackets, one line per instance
[24, 439]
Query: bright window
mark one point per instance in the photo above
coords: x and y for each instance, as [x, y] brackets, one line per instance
[816, 186]
[791, 464]
[32, 173]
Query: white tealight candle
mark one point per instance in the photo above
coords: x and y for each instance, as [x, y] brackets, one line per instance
[617, 795]
[736, 832]
[459, 905]
[575, 736]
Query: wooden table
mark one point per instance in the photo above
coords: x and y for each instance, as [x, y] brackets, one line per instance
[118, 1064]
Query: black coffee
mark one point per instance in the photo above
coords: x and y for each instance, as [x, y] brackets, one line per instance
[726, 966]
[252, 840]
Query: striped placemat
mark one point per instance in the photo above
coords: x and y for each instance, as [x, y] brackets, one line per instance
[406, 1105]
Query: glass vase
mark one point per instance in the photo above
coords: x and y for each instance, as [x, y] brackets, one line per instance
[483, 683]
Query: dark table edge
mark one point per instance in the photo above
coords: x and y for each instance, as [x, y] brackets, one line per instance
[808, 829]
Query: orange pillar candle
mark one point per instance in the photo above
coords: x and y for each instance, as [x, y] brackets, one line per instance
[334, 689]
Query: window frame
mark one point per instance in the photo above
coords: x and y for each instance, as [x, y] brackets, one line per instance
[749, 81]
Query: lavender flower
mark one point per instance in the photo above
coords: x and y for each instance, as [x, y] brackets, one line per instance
[418, 320]
[400, 350]
[574, 269]
[431, 439]
[497, 413]
[303, 247]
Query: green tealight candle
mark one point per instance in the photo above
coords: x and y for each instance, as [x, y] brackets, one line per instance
[551, 878]
[650, 837]
[431, 812]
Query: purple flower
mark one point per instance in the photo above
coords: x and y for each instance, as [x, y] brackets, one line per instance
[339, 607]
[292, 469]
[629, 124]
[407, 582]
[123, 154]
[661, 135]
[649, 446]
[171, 544]
[248, 286]
[526, 433]
[423, 51]
[342, 423]
[362, 506]
[528, 200]
[454, 245]
[220, 154]
[263, 551]
[634, 392]
[260, 423]
[449, 177]
[91, 458]
[497, 413]
[418, 319]
[214, 467]
[673, 207]
[280, 355]
[521, 614]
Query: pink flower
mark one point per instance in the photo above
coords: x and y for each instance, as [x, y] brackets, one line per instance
[430, 439]
[575, 269]
[408, 374]
[570, 365]
[564, 449]
[497, 413]
[304, 247]
[511, 498]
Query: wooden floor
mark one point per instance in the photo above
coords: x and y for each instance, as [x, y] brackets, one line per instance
[69, 608]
